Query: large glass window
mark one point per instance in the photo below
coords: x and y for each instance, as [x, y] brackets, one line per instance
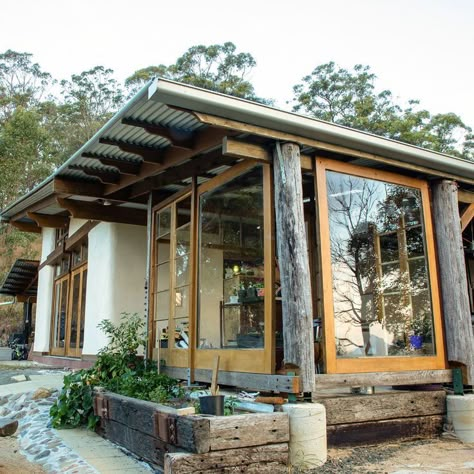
[381, 292]
[231, 288]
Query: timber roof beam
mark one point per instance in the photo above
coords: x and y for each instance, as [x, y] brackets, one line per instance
[251, 151]
[98, 212]
[65, 187]
[26, 227]
[177, 138]
[204, 141]
[196, 167]
[236, 126]
[45, 220]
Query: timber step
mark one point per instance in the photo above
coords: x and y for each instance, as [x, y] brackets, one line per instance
[387, 416]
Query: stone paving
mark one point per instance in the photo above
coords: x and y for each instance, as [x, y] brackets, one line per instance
[37, 440]
[58, 451]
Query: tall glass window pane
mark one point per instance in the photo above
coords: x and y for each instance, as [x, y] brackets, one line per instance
[182, 263]
[83, 308]
[76, 288]
[231, 272]
[381, 292]
[162, 277]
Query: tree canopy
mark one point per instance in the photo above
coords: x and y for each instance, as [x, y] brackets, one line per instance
[350, 98]
[217, 67]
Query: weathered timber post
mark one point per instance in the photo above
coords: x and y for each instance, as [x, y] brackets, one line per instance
[297, 312]
[453, 279]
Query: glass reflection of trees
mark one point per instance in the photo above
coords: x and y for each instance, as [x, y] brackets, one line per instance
[382, 303]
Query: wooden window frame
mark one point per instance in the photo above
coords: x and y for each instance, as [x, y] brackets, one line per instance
[175, 356]
[334, 364]
[260, 360]
[68, 276]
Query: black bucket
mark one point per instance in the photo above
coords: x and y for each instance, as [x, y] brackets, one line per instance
[212, 405]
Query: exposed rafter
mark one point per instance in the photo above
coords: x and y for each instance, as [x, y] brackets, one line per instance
[106, 177]
[175, 175]
[148, 154]
[177, 138]
[251, 151]
[66, 187]
[204, 141]
[467, 217]
[45, 220]
[26, 227]
[124, 167]
[87, 210]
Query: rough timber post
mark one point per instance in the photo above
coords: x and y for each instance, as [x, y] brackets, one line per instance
[453, 279]
[293, 260]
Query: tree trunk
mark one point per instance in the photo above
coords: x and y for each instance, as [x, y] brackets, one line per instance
[453, 278]
[297, 310]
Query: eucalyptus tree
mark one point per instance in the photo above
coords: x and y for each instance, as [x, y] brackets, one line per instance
[218, 67]
[350, 98]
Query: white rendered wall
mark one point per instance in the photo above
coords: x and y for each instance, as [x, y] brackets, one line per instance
[75, 225]
[45, 294]
[115, 278]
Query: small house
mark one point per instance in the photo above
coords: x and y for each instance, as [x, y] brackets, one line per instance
[271, 239]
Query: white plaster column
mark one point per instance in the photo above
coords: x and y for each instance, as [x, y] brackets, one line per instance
[115, 278]
[44, 305]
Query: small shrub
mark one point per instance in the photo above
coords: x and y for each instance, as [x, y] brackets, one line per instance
[119, 369]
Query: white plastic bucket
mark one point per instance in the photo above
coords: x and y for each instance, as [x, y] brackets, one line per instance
[308, 439]
[461, 414]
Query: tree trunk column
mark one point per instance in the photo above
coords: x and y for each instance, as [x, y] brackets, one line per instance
[453, 278]
[292, 249]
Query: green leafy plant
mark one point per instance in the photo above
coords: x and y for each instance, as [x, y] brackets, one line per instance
[74, 406]
[119, 368]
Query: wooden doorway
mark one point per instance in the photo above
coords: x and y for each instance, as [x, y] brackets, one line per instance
[69, 298]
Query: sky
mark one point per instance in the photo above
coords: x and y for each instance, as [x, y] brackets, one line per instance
[419, 49]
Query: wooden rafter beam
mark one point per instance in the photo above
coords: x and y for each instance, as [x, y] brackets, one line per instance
[235, 126]
[123, 215]
[467, 217]
[44, 220]
[26, 227]
[124, 167]
[66, 187]
[148, 154]
[250, 151]
[204, 141]
[178, 138]
[106, 177]
[196, 166]
[465, 196]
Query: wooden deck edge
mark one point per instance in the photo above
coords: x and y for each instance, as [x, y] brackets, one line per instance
[372, 379]
[244, 380]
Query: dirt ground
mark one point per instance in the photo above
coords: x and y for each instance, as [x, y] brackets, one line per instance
[427, 456]
[431, 456]
[12, 462]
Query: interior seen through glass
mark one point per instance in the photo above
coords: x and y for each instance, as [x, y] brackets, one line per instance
[381, 292]
[231, 267]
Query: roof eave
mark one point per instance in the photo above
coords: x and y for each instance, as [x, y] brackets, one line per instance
[201, 100]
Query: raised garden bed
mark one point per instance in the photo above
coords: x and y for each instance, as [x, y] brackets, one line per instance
[179, 442]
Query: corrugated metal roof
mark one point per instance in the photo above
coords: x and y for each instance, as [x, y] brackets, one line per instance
[21, 279]
[161, 102]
